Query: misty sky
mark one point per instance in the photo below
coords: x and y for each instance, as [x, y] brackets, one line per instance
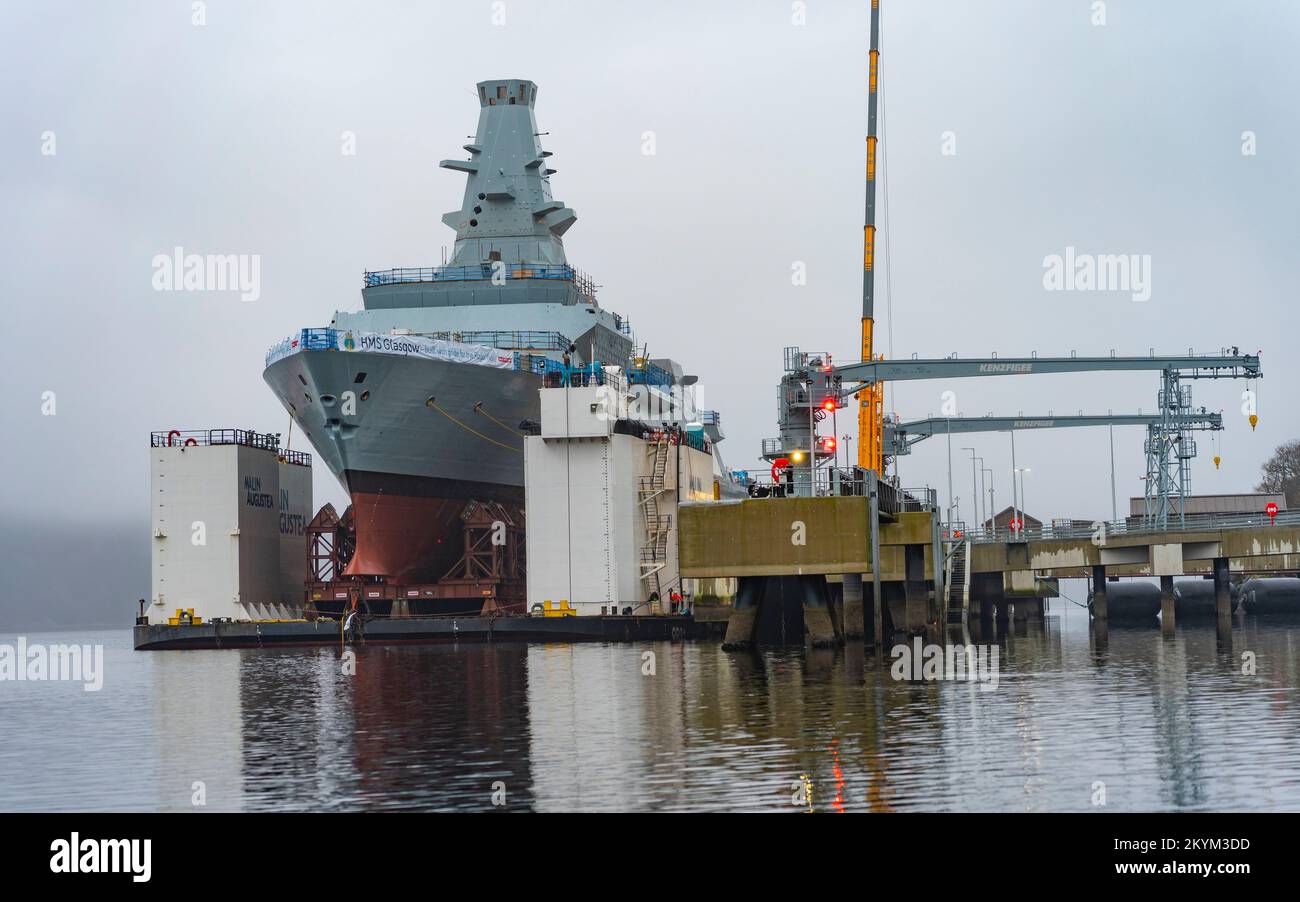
[226, 139]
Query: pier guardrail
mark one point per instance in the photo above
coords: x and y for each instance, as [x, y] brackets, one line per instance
[266, 441]
[1135, 526]
[836, 481]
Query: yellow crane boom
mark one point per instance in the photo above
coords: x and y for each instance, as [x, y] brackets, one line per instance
[871, 399]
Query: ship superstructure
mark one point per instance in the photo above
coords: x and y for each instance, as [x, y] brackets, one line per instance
[418, 403]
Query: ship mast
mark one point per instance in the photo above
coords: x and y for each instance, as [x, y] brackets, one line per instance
[870, 398]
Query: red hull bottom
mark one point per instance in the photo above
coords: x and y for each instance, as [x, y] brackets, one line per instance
[405, 538]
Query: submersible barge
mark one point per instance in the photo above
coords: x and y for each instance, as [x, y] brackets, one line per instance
[424, 630]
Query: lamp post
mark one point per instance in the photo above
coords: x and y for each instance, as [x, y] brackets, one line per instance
[950, 511]
[1114, 505]
[992, 511]
[974, 486]
[1022, 471]
[1013, 474]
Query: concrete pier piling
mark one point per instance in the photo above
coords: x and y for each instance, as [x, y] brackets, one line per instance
[1222, 604]
[816, 612]
[854, 607]
[744, 612]
[1222, 590]
[784, 610]
[1167, 605]
[1099, 592]
[916, 592]
[1001, 612]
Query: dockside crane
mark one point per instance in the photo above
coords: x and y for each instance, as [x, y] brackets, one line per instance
[900, 437]
[809, 392]
[814, 387]
[871, 400]
[1169, 448]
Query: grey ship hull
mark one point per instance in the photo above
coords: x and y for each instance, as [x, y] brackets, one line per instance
[408, 463]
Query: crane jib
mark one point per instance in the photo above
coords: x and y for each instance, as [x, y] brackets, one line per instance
[1190, 367]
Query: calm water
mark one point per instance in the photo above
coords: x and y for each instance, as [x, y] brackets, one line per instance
[1164, 724]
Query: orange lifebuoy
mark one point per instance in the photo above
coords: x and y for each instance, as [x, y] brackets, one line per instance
[190, 441]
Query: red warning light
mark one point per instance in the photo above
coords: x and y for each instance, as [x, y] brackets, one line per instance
[830, 444]
[829, 404]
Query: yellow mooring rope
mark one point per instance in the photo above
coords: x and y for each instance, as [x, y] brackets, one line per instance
[479, 409]
[434, 404]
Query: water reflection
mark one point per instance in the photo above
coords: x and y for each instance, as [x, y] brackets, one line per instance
[1155, 721]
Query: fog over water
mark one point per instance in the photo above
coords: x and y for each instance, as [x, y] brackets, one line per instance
[226, 138]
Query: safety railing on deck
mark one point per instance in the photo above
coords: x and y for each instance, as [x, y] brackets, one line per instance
[834, 481]
[323, 339]
[915, 499]
[182, 438]
[477, 273]
[506, 340]
[1134, 526]
[657, 433]
[327, 339]
[646, 373]
[556, 375]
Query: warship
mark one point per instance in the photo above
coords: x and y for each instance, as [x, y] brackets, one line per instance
[418, 402]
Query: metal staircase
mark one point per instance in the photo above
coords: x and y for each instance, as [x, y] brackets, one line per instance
[958, 582]
[654, 550]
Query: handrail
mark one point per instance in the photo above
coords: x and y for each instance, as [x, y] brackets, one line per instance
[477, 273]
[830, 481]
[327, 339]
[181, 438]
[504, 339]
[1134, 526]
